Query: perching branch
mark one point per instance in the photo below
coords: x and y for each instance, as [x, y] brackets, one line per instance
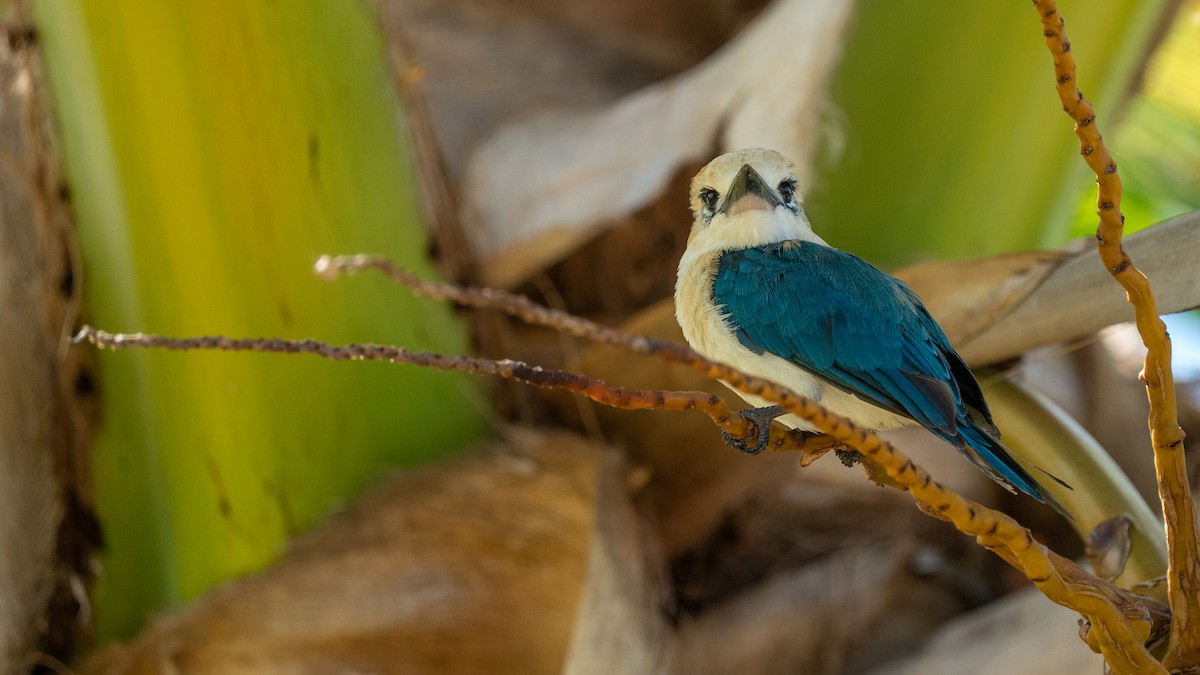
[1183, 571]
[1121, 621]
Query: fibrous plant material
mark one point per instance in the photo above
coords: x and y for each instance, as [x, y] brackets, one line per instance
[538, 188]
[470, 565]
[46, 421]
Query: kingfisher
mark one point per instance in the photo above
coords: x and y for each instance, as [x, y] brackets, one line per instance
[758, 290]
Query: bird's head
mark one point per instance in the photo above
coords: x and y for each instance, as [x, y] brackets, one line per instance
[746, 198]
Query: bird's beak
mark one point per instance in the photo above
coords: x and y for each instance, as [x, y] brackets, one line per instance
[749, 192]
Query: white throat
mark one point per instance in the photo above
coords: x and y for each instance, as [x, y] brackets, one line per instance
[747, 229]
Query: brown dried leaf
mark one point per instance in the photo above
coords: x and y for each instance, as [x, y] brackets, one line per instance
[45, 416]
[967, 296]
[1079, 297]
[804, 576]
[541, 187]
[471, 566]
[998, 308]
[1108, 547]
[1021, 634]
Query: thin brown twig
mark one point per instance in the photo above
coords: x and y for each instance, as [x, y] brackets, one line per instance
[618, 397]
[1166, 436]
[438, 201]
[479, 297]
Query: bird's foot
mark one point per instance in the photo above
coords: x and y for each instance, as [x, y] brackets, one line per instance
[849, 457]
[760, 419]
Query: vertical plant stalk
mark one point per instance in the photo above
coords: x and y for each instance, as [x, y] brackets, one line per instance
[1183, 571]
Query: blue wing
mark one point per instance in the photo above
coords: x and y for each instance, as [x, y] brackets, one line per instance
[836, 316]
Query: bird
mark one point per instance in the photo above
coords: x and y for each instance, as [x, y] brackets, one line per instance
[758, 290]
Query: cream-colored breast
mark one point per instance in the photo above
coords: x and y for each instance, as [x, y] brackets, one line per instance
[705, 328]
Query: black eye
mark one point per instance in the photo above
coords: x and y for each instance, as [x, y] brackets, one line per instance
[708, 198]
[787, 190]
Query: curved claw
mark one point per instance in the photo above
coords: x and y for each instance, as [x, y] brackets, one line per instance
[760, 418]
[742, 446]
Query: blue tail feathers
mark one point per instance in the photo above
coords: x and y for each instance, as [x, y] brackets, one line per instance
[994, 459]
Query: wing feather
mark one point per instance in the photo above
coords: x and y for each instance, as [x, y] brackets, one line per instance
[865, 332]
[838, 317]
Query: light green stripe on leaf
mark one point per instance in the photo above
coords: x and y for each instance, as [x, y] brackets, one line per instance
[214, 150]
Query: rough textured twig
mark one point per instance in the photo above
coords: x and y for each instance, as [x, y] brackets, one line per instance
[1183, 572]
[597, 390]
[519, 306]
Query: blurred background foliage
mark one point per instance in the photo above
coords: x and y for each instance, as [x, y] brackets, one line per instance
[941, 144]
[214, 150]
[1157, 143]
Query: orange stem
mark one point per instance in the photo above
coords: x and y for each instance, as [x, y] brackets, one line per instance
[1166, 436]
